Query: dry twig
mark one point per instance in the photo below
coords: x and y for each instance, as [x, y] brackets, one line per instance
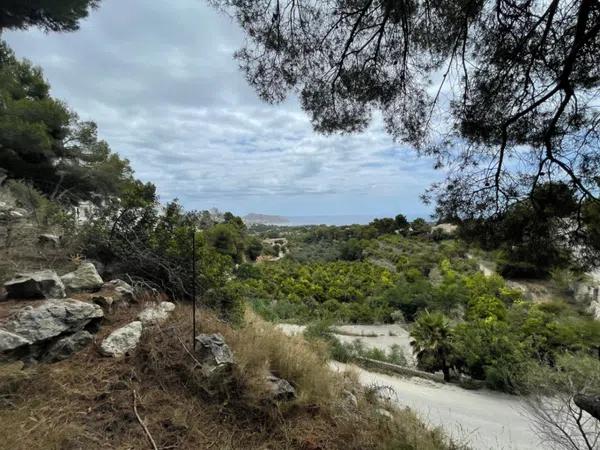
[150, 438]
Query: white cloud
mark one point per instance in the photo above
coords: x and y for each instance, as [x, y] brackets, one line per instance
[162, 85]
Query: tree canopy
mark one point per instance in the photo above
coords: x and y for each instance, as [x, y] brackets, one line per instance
[49, 15]
[503, 93]
[45, 143]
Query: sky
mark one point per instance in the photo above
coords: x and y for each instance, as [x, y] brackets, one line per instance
[160, 80]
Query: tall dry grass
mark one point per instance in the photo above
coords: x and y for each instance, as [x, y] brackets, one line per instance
[87, 401]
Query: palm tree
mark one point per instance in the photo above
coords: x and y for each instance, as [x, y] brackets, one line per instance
[431, 342]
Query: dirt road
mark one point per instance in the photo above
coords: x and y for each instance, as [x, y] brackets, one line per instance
[482, 419]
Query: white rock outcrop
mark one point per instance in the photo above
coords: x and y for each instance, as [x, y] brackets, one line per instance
[123, 340]
[32, 285]
[156, 314]
[10, 341]
[67, 345]
[53, 318]
[215, 356]
[85, 278]
[119, 290]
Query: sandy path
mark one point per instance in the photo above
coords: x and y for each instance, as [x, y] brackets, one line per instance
[482, 419]
[372, 336]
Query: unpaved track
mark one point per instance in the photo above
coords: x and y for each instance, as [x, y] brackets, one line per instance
[482, 419]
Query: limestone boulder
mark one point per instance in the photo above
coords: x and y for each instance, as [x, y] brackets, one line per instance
[32, 285]
[156, 314]
[53, 318]
[84, 279]
[123, 340]
[119, 290]
[214, 355]
[10, 341]
[280, 389]
[66, 346]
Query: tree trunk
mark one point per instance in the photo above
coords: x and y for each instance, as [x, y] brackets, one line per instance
[446, 371]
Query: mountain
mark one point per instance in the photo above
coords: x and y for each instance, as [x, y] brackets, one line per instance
[265, 219]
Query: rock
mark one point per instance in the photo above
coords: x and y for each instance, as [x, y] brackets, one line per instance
[280, 389]
[85, 278]
[156, 314]
[385, 413]
[53, 318]
[42, 284]
[120, 291]
[66, 346]
[384, 393]
[214, 354]
[104, 301]
[49, 240]
[122, 340]
[10, 341]
[447, 228]
[351, 399]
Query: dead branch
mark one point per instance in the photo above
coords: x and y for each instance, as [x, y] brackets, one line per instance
[150, 438]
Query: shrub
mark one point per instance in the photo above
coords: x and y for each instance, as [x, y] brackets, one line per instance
[431, 341]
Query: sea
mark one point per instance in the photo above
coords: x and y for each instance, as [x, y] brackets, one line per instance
[354, 219]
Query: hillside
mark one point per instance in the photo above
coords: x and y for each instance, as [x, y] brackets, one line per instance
[264, 219]
[115, 360]
[134, 316]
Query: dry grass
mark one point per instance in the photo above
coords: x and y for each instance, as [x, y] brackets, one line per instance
[87, 401]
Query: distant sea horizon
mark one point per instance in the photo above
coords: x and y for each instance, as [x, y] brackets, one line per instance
[342, 219]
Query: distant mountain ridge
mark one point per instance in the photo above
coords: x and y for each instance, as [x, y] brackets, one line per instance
[265, 219]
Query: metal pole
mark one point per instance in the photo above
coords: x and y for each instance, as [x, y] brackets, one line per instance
[194, 286]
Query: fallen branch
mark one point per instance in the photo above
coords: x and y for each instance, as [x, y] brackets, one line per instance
[150, 438]
[198, 363]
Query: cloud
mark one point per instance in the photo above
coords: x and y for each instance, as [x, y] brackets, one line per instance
[161, 82]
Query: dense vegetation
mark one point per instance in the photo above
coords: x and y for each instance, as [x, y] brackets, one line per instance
[462, 321]
[512, 106]
[43, 142]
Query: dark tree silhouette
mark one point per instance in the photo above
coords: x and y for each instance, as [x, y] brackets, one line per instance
[503, 93]
[49, 15]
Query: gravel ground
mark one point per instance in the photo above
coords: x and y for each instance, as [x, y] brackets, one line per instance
[482, 419]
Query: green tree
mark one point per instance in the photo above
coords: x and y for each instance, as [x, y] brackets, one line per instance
[352, 250]
[420, 226]
[32, 124]
[487, 349]
[44, 143]
[49, 15]
[401, 222]
[254, 248]
[432, 342]
[228, 240]
[384, 226]
[522, 77]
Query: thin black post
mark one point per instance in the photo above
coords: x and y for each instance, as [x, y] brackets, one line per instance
[194, 286]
